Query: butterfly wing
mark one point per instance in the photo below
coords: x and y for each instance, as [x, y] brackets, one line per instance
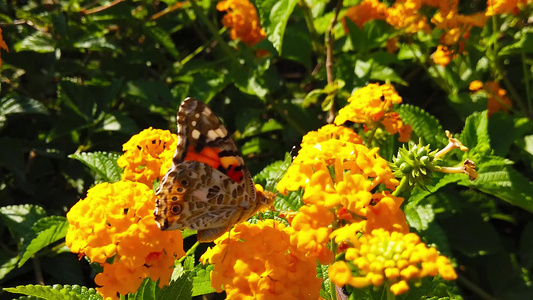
[208, 187]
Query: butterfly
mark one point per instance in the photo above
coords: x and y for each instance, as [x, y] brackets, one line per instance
[208, 188]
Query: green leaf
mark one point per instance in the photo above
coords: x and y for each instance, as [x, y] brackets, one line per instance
[178, 289]
[290, 202]
[8, 262]
[419, 216]
[312, 97]
[161, 36]
[274, 15]
[207, 83]
[150, 94]
[20, 218]
[103, 164]
[148, 290]
[501, 180]
[56, 292]
[505, 129]
[297, 45]
[271, 174]
[201, 282]
[118, 122]
[44, 232]
[475, 134]
[39, 41]
[424, 125]
[20, 105]
[95, 43]
[524, 45]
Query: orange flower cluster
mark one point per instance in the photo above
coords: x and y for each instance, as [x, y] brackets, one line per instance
[340, 174]
[242, 21]
[114, 226]
[495, 7]
[497, 97]
[348, 202]
[148, 155]
[366, 10]
[260, 261]
[3, 45]
[372, 104]
[389, 256]
[442, 56]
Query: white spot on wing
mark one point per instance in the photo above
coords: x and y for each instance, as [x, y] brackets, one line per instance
[193, 123]
[212, 135]
[195, 134]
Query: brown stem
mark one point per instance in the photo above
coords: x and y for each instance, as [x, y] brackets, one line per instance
[330, 40]
[101, 8]
[37, 270]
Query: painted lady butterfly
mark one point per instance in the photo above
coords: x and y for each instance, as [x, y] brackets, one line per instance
[208, 188]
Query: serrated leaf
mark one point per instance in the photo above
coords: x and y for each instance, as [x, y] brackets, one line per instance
[55, 292]
[274, 15]
[475, 134]
[424, 125]
[178, 289]
[505, 183]
[161, 36]
[103, 164]
[290, 202]
[271, 174]
[44, 232]
[201, 282]
[20, 218]
[148, 290]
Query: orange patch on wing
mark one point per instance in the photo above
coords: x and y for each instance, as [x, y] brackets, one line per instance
[208, 156]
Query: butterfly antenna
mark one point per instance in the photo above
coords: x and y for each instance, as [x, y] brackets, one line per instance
[271, 184]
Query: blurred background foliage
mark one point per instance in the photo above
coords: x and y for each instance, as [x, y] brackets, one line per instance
[84, 76]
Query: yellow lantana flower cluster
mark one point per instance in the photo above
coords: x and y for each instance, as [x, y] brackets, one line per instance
[148, 155]
[114, 226]
[373, 104]
[389, 256]
[242, 20]
[260, 261]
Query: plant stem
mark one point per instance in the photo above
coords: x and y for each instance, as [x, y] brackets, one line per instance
[404, 185]
[474, 288]
[330, 40]
[310, 25]
[214, 32]
[37, 270]
[191, 250]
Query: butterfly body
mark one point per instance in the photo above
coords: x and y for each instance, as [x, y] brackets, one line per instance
[208, 188]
